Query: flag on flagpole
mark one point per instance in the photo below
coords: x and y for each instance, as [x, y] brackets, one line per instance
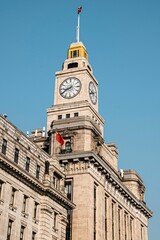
[59, 138]
[79, 10]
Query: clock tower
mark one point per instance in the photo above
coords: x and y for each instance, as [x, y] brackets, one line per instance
[76, 101]
[109, 203]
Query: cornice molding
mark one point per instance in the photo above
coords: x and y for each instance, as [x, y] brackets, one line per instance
[24, 177]
[110, 175]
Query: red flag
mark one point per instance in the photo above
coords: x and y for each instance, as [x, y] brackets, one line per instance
[59, 138]
[79, 10]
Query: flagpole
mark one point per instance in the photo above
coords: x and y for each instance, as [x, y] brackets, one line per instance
[78, 28]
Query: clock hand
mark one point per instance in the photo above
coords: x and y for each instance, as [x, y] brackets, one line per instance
[67, 89]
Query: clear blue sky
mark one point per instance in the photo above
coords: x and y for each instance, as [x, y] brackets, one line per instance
[123, 41]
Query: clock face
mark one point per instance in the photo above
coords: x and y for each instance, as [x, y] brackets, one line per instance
[92, 92]
[70, 87]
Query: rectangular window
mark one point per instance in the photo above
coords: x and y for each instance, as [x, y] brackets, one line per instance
[67, 115]
[16, 155]
[22, 233]
[37, 171]
[74, 53]
[68, 189]
[55, 220]
[76, 114]
[1, 189]
[24, 203]
[9, 230]
[33, 235]
[56, 180]
[35, 210]
[4, 146]
[27, 164]
[12, 196]
[59, 117]
[69, 225]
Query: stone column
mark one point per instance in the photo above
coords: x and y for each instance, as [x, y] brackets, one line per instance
[45, 220]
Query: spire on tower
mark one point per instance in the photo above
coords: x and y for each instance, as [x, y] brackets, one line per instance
[78, 26]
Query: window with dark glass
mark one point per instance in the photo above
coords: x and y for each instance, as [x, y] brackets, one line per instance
[9, 230]
[68, 189]
[72, 65]
[35, 210]
[33, 235]
[46, 167]
[27, 164]
[69, 225]
[16, 155]
[22, 233]
[76, 114]
[12, 196]
[24, 203]
[55, 220]
[4, 146]
[67, 115]
[74, 53]
[59, 117]
[1, 186]
[68, 146]
[37, 171]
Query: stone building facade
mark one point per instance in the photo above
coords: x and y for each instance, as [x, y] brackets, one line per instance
[33, 203]
[74, 190]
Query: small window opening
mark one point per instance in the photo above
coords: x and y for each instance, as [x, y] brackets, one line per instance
[72, 65]
[74, 53]
[59, 117]
[4, 146]
[76, 114]
[67, 115]
[68, 146]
